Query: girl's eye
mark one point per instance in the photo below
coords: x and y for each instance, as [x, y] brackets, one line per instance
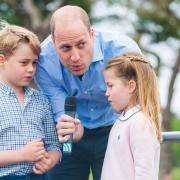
[110, 86]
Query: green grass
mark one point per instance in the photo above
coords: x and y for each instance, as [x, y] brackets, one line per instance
[176, 173]
[90, 176]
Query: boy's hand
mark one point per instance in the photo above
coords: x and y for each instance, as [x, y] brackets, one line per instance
[47, 162]
[33, 151]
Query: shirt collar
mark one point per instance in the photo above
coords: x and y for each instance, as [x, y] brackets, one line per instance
[5, 88]
[97, 52]
[129, 113]
[8, 90]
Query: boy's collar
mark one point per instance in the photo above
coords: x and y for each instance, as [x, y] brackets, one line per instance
[8, 90]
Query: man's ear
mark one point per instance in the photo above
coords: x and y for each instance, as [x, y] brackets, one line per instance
[132, 86]
[2, 59]
[92, 33]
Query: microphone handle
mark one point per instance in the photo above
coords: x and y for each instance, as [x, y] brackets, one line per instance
[67, 146]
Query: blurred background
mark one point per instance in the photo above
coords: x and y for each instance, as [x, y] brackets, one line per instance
[153, 24]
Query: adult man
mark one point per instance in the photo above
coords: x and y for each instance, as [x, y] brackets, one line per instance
[71, 64]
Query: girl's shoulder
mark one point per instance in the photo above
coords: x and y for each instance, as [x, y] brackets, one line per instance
[140, 121]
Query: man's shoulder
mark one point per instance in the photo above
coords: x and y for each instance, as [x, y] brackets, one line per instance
[46, 41]
[48, 54]
[111, 35]
[114, 43]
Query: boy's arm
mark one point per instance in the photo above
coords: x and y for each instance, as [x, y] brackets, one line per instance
[10, 157]
[50, 159]
[31, 152]
[51, 141]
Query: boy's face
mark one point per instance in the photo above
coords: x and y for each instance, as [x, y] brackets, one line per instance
[19, 69]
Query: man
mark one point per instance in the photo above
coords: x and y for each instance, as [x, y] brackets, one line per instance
[71, 64]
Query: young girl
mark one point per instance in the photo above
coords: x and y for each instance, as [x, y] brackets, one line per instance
[134, 142]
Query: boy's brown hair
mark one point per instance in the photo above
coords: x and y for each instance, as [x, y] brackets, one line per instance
[11, 36]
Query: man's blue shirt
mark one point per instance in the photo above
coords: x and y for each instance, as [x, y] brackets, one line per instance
[57, 82]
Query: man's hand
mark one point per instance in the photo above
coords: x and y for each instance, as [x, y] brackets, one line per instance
[67, 125]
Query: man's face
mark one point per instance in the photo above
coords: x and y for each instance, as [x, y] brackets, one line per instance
[74, 45]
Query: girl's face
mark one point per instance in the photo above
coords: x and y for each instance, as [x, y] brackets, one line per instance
[120, 92]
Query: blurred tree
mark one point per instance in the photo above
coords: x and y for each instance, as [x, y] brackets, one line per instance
[34, 14]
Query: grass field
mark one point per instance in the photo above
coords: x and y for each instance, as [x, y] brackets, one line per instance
[90, 176]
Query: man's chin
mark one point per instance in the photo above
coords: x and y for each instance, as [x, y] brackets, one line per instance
[78, 73]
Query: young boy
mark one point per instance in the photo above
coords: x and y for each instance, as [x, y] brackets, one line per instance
[29, 144]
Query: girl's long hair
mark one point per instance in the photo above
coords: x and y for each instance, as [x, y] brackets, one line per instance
[136, 67]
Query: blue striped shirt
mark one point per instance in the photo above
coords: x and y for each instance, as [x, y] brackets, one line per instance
[57, 82]
[21, 124]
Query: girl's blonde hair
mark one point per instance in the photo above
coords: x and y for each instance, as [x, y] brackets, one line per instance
[11, 36]
[134, 66]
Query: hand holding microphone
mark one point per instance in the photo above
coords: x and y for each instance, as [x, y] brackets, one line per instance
[68, 127]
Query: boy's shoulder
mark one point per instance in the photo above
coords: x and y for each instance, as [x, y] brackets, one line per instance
[37, 94]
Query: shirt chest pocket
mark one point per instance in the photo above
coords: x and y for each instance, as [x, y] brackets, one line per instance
[97, 96]
[7, 121]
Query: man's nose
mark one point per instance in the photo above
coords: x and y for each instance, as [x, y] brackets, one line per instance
[75, 55]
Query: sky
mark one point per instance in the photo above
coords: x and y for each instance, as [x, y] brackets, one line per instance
[166, 50]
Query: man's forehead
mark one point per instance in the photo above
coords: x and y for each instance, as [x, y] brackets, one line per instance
[70, 40]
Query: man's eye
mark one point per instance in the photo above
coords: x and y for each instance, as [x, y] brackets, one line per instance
[65, 48]
[81, 45]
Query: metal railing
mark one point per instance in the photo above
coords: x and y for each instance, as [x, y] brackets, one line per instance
[171, 136]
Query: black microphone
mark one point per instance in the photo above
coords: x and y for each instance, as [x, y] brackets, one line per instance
[70, 110]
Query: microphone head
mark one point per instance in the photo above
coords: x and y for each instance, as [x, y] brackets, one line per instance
[70, 103]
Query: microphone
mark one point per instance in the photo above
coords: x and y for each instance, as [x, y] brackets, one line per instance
[70, 110]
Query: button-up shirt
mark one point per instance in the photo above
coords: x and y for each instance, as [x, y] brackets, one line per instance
[21, 124]
[57, 82]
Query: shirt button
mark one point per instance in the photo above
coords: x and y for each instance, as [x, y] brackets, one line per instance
[85, 92]
[91, 109]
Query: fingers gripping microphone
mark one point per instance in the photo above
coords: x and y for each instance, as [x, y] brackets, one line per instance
[70, 110]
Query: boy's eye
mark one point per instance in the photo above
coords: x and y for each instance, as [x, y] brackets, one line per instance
[35, 62]
[23, 62]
